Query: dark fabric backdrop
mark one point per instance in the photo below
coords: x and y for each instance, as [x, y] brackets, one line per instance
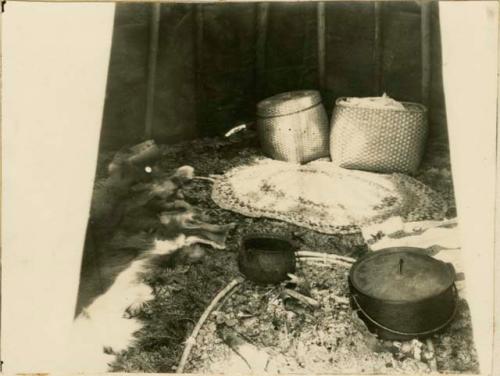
[207, 75]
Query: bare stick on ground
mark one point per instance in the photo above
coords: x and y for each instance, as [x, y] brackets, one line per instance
[432, 362]
[325, 255]
[192, 338]
[302, 298]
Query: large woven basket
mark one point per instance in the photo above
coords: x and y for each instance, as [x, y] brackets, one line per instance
[293, 126]
[380, 140]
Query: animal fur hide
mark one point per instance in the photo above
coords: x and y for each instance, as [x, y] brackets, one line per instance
[155, 224]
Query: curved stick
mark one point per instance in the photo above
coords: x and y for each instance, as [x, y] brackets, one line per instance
[192, 338]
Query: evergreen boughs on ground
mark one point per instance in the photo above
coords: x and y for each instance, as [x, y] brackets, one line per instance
[323, 340]
[182, 292]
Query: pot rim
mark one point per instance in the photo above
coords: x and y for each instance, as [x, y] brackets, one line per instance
[268, 236]
[414, 250]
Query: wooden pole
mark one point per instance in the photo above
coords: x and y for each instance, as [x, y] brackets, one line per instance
[321, 20]
[260, 48]
[310, 22]
[153, 54]
[198, 45]
[377, 49]
[425, 32]
[1, 174]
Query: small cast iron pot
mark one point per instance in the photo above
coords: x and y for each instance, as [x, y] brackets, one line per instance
[402, 293]
[266, 258]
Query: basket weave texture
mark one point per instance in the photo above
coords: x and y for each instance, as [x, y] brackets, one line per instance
[379, 140]
[293, 126]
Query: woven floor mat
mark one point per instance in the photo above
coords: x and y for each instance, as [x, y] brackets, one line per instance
[322, 197]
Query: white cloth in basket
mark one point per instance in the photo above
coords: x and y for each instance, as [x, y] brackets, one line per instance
[383, 102]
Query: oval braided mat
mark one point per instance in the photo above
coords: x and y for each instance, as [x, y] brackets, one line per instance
[322, 197]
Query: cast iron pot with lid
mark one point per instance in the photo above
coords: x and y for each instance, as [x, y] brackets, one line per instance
[402, 293]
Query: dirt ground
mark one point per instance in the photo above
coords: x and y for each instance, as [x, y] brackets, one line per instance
[324, 340]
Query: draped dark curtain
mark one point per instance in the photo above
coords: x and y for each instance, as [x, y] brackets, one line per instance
[215, 61]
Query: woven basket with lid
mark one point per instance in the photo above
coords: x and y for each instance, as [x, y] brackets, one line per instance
[293, 126]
